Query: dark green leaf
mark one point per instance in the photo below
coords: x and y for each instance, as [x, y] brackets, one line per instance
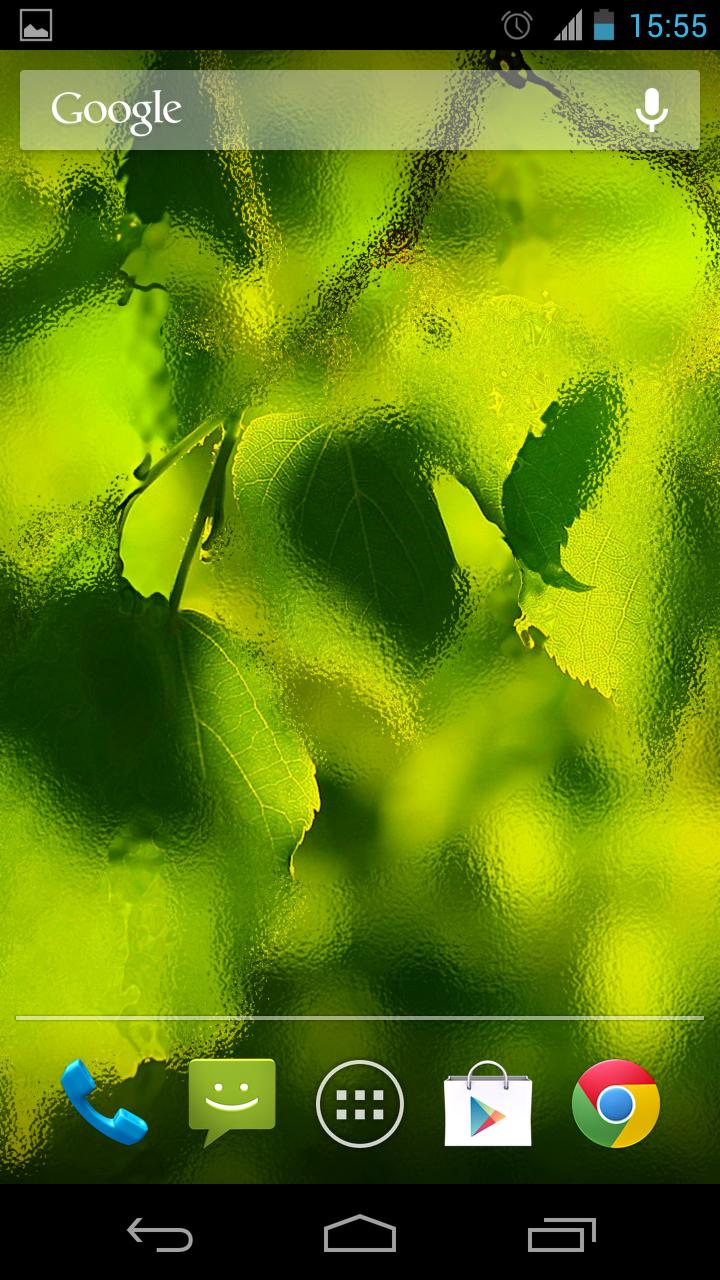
[556, 474]
[158, 721]
[355, 499]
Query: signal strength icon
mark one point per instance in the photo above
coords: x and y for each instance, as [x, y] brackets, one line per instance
[573, 30]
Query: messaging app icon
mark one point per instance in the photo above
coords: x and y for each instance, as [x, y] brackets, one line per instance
[231, 1093]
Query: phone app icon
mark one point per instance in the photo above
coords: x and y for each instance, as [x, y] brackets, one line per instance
[124, 1126]
[231, 1093]
[616, 1103]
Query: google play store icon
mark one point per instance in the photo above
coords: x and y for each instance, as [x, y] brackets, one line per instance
[476, 1104]
[482, 1116]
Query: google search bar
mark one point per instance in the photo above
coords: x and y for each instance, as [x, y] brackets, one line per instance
[360, 110]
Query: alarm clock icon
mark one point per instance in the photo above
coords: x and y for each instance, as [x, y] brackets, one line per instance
[517, 24]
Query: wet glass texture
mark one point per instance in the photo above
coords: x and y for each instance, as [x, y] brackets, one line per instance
[395, 686]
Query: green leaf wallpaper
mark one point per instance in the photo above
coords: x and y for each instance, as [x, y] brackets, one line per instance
[358, 560]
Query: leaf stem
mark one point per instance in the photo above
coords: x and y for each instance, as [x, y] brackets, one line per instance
[210, 506]
[168, 459]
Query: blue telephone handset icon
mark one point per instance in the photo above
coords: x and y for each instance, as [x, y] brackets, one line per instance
[123, 1127]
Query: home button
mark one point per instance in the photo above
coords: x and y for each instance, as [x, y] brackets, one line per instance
[360, 1234]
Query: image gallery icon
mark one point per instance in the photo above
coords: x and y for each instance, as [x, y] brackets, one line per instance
[359, 1103]
[488, 1110]
[36, 26]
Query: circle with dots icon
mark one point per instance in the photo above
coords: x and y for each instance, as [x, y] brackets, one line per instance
[360, 1103]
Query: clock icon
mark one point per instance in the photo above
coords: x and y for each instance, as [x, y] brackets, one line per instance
[517, 24]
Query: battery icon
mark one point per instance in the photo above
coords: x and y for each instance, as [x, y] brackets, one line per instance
[604, 25]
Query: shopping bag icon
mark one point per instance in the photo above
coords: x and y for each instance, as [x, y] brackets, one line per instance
[488, 1111]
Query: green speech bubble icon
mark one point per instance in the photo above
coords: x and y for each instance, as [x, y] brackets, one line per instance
[231, 1093]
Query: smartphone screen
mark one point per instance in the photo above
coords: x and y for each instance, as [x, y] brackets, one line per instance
[360, 676]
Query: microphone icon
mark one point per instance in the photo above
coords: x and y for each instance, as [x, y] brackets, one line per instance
[652, 116]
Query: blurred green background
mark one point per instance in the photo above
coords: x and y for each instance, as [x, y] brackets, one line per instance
[519, 782]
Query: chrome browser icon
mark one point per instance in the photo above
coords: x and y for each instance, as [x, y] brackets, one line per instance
[616, 1103]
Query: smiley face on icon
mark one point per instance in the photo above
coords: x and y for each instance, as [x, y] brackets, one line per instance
[231, 1093]
[231, 1106]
